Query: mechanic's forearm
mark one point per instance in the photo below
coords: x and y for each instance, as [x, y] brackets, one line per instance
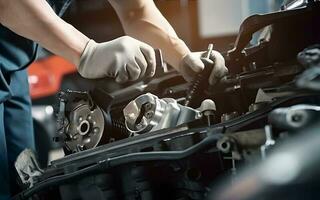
[37, 21]
[144, 21]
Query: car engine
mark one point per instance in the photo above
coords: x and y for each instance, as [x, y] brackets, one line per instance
[253, 135]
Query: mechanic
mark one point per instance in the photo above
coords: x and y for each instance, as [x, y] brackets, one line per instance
[25, 23]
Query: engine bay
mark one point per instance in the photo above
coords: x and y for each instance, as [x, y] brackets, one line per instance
[164, 138]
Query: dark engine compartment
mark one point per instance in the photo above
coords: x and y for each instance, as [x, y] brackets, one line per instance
[269, 101]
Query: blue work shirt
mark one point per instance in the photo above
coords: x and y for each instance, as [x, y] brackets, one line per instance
[17, 52]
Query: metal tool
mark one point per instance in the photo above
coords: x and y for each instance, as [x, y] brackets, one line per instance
[200, 82]
[209, 51]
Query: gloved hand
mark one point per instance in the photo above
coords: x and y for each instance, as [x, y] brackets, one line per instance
[191, 64]
[125, 59]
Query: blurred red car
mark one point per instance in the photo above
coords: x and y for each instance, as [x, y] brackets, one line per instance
[46, 76]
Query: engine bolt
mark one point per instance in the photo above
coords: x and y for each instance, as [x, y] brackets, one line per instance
[96, 130]
[139, 126]
[296, 118]
[148, 106]
[149, 114]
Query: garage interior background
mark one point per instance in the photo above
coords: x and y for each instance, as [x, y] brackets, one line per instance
[192, 19]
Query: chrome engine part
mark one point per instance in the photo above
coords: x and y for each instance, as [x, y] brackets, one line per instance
[294, 117]
[149, 113]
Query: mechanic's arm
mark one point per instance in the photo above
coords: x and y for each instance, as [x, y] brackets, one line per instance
[142, 19]
[123, 58]
[37, 21]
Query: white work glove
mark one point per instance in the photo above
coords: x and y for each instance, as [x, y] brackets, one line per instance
[125, 59]
[191, 64]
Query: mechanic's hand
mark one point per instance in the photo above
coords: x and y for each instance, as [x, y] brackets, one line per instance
[125, 59]
[191, 64]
